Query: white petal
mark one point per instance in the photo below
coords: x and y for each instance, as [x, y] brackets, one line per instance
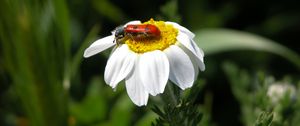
[195, 65]
[188, 44]
[99, 45]
[186, 41]
[135, 89]
[154, 71]
[195, 59]
[200, 61]
[119, 65]
[182, 71]
[199, 55]
[198, 50]
[133, 22]
[182, 29]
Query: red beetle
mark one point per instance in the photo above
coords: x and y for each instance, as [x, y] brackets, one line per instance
[136, 31]
[145, 30]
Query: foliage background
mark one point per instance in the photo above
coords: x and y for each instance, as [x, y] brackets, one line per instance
[44, 80]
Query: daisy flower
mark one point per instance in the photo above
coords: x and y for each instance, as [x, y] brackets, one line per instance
[147, 64]
[278, 91]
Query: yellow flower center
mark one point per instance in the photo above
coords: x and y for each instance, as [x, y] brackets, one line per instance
[167, 38]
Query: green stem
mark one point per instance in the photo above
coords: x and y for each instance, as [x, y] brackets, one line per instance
[169, 96]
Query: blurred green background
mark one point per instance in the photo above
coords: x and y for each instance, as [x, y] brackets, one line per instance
[248, 45]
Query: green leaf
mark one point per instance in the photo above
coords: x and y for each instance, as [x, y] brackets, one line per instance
[170, 10]
[109, 10]
[182, 114]
[264, 119]
[122, 111]
[214, 41]
[147, 119]
[94, 106]
[36, 57]
[78, 57]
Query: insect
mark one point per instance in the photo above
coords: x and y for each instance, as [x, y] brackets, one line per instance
[136, 32]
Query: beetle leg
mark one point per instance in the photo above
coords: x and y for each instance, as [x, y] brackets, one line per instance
[145, 34]
[130, 36]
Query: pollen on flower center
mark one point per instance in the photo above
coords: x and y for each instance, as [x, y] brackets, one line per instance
[167, 38]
